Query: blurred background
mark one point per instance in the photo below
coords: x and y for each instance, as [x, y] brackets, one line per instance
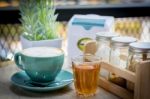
[132, 18]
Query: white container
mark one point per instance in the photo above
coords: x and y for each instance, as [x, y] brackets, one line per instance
[82, 28]
[48, 43]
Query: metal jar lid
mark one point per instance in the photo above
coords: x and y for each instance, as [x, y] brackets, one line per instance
[105, 36]
[122, 41]
[141, 47]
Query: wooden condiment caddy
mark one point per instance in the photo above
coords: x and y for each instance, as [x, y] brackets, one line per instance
[141, 78]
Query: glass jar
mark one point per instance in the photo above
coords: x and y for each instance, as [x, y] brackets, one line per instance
[137, 52]
[103, 49]
[103, 42]
[118, 57]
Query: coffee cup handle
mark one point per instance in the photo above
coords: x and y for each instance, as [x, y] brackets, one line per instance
[17, 59]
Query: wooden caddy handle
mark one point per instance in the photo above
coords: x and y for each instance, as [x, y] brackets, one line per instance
[142, 85]
[141, 79]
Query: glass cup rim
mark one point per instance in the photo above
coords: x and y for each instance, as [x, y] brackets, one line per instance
[98, 59]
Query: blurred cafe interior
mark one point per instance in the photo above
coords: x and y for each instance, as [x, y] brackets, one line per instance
[132, 18]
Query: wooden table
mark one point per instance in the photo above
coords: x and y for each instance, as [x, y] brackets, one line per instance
[9, 91]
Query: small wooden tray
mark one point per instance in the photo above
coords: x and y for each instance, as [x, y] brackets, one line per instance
[141, 78]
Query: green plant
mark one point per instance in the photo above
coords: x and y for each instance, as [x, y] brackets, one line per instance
[38, 19]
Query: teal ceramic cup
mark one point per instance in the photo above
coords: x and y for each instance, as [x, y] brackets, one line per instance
[41, 64]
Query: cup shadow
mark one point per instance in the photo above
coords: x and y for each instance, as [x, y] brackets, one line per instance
[27, 93]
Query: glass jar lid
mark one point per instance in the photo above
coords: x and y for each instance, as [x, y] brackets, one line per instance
[140, 47]
[122, 41]
[105, 36]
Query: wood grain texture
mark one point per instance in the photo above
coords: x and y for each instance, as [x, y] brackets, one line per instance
[9, 91]
[113, 88]
[142, 85]
[120, 72]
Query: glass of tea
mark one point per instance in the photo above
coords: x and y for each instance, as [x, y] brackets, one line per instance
[86, 74]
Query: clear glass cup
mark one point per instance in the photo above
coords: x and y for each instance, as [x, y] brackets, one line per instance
[86, 74]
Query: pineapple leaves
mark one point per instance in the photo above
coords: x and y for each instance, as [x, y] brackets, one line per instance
[38, 19]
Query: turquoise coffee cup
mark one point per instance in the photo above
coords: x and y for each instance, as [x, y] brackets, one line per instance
[41, 64]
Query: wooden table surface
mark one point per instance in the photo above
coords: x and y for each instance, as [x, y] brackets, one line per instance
[9, 91]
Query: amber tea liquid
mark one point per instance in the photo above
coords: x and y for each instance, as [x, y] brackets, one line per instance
[86, 78]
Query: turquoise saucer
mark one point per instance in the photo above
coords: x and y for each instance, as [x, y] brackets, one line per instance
[21, 80]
